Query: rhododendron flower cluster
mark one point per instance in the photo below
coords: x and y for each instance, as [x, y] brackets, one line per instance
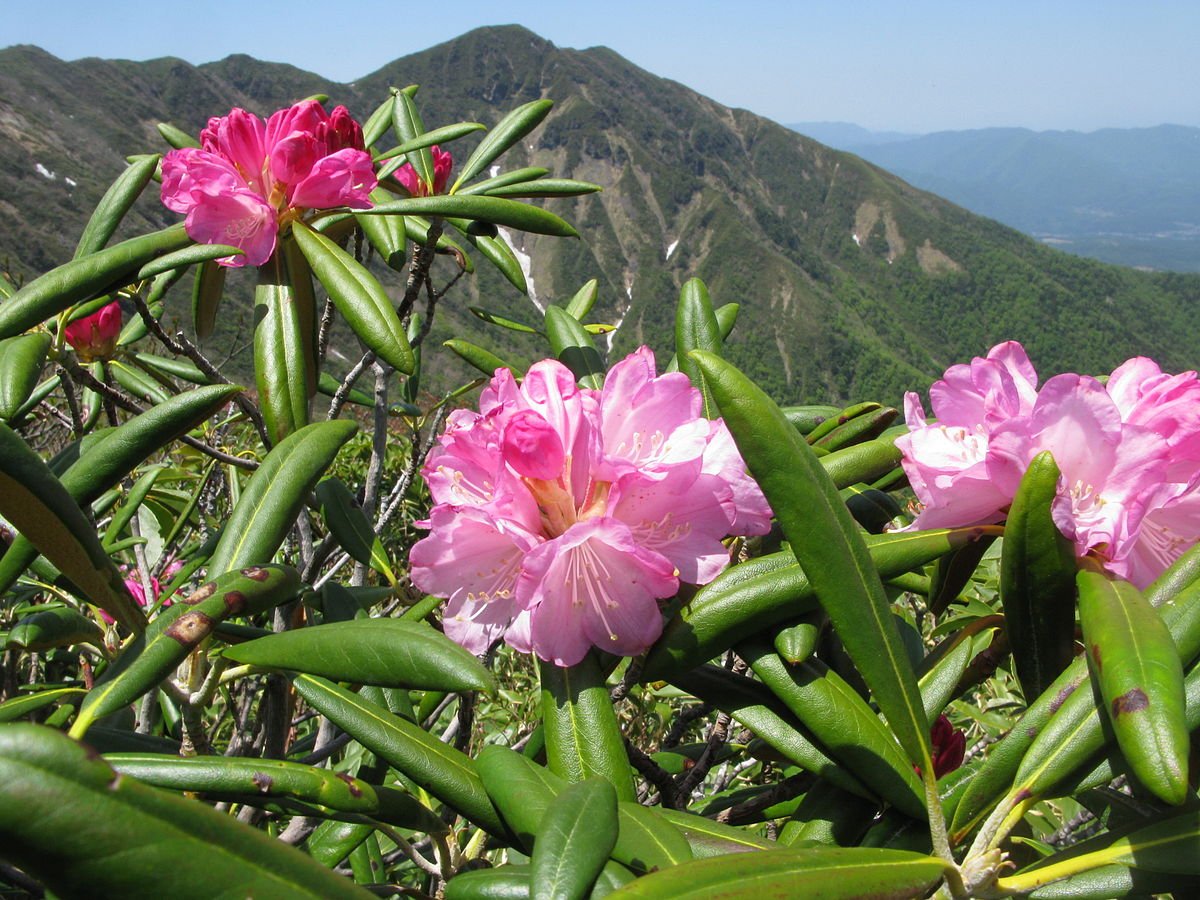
[443, 163]
[250, 178]
[1128, 451]
[562, 514]
[95, 336]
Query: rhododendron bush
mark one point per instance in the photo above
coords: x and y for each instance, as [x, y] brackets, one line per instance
[574, 625]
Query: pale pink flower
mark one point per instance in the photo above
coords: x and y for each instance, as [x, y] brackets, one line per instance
[250, 178]
[443, 163]
[563, 514]
[95, 336]
[1128, 452]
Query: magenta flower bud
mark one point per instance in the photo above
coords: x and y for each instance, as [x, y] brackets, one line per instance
[532, 447]
[95, 336]
[949, 746]
[443, 163]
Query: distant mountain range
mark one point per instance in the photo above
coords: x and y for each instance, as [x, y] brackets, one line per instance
[852, 283]
[1123, 195]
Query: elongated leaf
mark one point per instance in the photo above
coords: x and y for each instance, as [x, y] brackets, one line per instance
[545, 187]
[268, 505]
[86, 277]
[21, 361]
[755, 707]
[515, 176]
[206, 298]
[348, 523]
[117, 201]
[102, 465]
[146, 661]
[507, 132]
[281, 363]
[866, 463]
[1037, 581]
[583, 301]
[826, 873]
[710, 838]
[1134, 660]
[1115, 883]
[44, 513]
[446, 773]
[385, 652]
[176, 137]
[184, 258]
[844, 724]
[358, 297]
[1168, 846]
[828, 546]
[496, 210]
[577, 833]
[574, 348]
[497, 252]
[25, 704]
[126, 836]
[386, 233]
[445, 134]
[59, 627]
[510, 882]
[696, 329]
[408, 126]
[583, 739]
[764, 592]
[483, 360]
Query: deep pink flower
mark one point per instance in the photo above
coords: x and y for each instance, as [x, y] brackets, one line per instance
[95, 336]
[135, 588]
[250, 178]
[443, 162]
[563, 514]
[1128, 453]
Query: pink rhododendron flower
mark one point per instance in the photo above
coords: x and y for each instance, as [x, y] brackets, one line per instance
[250, 178]
[443, 162]
[139, 595]
[563, 514]
[949, 746]
[95, 336]
[1128, 452]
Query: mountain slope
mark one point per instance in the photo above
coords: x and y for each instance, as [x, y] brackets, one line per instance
[851, 282]
[1124, 195]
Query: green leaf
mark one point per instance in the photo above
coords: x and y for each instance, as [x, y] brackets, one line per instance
[497, 252]
[408, 126]
[585, 298]
[861, 463]
[847, 728]
[709, 838]
[348, 523]
[1114, 882]
[507, 132]
[495, 319]
[184, 258]
[444, 772]
[282, 365]
[545, 187]
[206, 298]
[442, 135]
[270, 501]
[509, 882]
[827, 545]
[385, 652]
[154, 654]
[58, 627]
[583, 739]
[44, 513]
[483, 360]
[825, 873]
[762, 593]
[386, 233]
[358, 297]
[805, 419]
[514, 176]
[265, 779]
[29, 703]
[1037, 581]
[1133, 658]
[798, 642]
[117, 201]
[752, 705]
[858, 429]
[102, 465]
[696, 329]
[176, 137]
[574, 348]
[126, 836]
[21, 361]
[86, 277]
[577, 833]
[496, 210]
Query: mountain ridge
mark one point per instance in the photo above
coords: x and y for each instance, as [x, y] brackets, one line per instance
[852, 283]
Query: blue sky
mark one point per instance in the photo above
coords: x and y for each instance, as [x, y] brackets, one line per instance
[921, 65]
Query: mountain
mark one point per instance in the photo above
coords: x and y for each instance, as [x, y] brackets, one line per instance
[852, 283]
[1124, 195]
[847, 135]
